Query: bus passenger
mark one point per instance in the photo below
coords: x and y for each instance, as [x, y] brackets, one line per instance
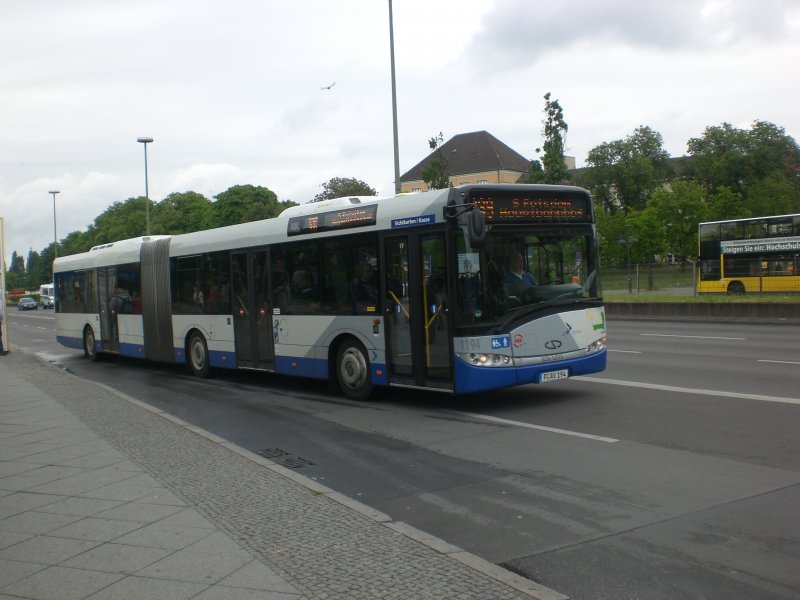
[304, 294]
[365, 291]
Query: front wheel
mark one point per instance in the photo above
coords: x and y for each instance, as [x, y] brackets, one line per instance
[353, 371]
[198, 355]
[736, 287]
[89, 344]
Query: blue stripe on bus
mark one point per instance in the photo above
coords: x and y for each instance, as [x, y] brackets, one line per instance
[216, 358]
[221, 359]
[131, 350]
[303, 367]
[318, 368]
[470, 378]
[70, 342]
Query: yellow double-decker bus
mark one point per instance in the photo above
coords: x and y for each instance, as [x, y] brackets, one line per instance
[758, 255]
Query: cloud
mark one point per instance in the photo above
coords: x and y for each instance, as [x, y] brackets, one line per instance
[523, 32]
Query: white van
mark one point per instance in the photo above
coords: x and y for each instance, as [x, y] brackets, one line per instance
[47, 295]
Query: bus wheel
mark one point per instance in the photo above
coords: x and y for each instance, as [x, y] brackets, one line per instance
[736, 287]
[353, 370]
[89, 344]
[198, 355]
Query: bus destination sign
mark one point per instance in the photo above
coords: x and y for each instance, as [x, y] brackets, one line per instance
[346, 218]
[511, 208]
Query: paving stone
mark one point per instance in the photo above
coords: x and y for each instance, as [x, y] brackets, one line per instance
[143, 588]
[61, 583]
[117, 558]
[12, 571]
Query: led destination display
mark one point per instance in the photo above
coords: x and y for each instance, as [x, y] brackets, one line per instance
[346, 218]
[510, 208]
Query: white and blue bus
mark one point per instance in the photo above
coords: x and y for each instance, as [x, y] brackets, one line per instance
[408, 291]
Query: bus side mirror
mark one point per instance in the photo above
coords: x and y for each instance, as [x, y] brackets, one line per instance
[475, 228]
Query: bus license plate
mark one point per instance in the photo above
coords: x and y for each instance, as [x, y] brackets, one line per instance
[554, 375]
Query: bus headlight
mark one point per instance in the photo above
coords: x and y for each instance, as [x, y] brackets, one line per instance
[596, 346]
[489, 360]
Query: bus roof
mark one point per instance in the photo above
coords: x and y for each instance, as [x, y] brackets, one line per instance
[395, 211]
[749, 219]
[114, 253]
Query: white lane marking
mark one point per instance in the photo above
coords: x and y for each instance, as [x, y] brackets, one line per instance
[696, 337]
[625, 351]
[588, 436]
[683, 390]
[780, 362]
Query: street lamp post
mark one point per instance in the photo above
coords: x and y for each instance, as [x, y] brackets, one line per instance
[394, 105]
[145, 141]
[628, 241]
[55, 231]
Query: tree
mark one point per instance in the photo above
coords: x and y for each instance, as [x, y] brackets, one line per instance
[552, 168]
[120, 221]
[32, 271]
[772, 195]
[624, 173]
[245, 203]
[181, 213]
[434, 174]
[726, 204]
[680, 210]
[15, 276]
[342, 187]
[725, 156]
[555, 130]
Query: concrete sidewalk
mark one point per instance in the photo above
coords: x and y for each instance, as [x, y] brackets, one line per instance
[104, 497]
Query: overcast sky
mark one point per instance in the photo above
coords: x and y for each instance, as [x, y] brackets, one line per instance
[231, 91]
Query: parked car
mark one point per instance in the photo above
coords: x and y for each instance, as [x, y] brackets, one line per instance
[27, 304]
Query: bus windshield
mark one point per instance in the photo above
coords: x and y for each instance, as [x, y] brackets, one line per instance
[520, 272]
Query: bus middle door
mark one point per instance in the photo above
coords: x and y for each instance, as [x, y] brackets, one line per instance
[252, 310]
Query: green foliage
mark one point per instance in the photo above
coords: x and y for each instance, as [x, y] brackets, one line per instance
[15, 275]
[245, 203]
[754, 164]
[121, 220]
[181, 213]
[726, 204]
[625, 173]
[534, 175]
[342, 187]
[679, 210]
[434, 174]
[772, 195]
[33, 278]
[555, 129]
[552, 168]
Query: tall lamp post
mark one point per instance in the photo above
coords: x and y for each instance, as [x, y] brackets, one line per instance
[145, 141]
[394, 105]
[55, 231]
[628, 241]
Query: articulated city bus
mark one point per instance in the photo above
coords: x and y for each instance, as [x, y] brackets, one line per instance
[760, 254]
[414, 290]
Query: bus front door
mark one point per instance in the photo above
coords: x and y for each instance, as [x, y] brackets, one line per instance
[252, 310]
[416, 312]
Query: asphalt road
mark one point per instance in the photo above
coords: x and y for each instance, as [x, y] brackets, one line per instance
[674, 474]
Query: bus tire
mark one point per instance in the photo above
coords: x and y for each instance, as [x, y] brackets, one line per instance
[89, 344]
[736, 287]
[353, 372]
[197, 355]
